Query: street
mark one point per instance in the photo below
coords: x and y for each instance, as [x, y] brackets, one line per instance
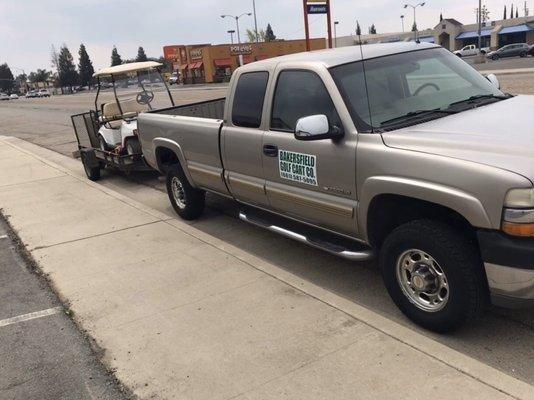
[43, 354]
[503, 339]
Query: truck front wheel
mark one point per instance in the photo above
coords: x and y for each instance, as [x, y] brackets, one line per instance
[433, 274]
[187, 201]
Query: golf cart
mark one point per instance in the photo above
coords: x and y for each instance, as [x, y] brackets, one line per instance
[107, 135]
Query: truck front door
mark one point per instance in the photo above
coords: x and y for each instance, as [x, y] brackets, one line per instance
[313, 181]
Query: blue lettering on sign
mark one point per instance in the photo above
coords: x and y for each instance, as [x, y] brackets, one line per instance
[317, 9]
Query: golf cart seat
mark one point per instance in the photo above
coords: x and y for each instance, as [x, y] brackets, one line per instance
[111, 113]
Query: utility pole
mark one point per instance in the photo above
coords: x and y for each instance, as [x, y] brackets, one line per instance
[414, 20]
[329, 23]
[336, 23]
[255, 20]
[306, 25]
[479, 25]
[236, 17]
[402, 22]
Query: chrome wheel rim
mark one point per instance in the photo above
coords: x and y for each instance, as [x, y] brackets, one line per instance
[178, 193]
[422, 280]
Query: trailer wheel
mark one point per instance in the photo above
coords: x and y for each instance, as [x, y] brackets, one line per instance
[92, 172]
[187, 201]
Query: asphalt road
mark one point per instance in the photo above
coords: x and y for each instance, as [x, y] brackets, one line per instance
[502, 64]
[503, 339]
[45, 357]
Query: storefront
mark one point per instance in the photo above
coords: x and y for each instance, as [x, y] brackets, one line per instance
[208, 64]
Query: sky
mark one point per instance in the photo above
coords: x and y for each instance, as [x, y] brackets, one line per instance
[28, 28]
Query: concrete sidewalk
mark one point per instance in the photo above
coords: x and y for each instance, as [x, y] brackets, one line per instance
[182, 314]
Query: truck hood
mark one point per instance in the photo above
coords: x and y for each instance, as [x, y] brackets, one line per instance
[499, 134]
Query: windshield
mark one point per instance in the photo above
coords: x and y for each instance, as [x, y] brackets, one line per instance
[136, 91]
[408, 84]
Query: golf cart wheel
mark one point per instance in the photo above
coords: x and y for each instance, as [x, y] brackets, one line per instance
[434, 275]
[187, 201]
[133, 146]
[92, 172]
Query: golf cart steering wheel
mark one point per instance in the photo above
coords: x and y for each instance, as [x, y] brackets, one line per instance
[145, 97]
[429, 84]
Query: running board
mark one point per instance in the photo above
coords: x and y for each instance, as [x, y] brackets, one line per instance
[362, 254]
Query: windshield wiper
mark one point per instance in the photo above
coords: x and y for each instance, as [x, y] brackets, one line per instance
[417, 113]
[481, 97]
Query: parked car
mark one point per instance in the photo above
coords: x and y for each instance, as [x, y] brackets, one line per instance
[13, 96]
[4, 96]
[406, 158]
[32, 93]
[470, 50]
[174, 79]
[43, 93]
[531, 50]
[510, 50]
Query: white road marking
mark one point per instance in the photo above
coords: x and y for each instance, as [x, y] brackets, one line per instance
[3, 236]
[30, 316]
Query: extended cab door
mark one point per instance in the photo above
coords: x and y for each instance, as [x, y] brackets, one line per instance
[241, 140]
[313, 181]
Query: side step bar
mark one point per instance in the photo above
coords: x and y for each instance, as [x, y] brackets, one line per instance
[354, 255]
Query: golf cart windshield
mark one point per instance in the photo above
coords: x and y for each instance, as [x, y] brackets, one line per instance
[128, 89]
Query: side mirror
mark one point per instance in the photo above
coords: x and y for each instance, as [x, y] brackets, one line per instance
[494, 80]
[316, 127]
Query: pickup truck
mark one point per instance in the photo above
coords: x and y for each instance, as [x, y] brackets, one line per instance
[399, 152]
[470, 50]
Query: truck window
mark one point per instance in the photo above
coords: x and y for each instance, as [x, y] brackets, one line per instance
[248, 99]
[300, 94]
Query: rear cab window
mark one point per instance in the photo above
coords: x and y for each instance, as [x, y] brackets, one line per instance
[248, 101]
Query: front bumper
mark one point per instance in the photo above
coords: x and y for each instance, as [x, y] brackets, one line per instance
[509, 264]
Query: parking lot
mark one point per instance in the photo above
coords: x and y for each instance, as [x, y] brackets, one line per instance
[503, 340]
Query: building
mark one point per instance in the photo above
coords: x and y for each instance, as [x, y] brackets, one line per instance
[206, 63]
[453, 35]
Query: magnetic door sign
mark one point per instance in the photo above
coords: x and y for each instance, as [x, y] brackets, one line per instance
[297, 167]
[317, 9]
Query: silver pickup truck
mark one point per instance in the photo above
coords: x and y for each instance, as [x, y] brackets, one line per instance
[401, 152]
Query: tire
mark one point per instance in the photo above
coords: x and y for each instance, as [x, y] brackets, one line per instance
[133, 146]
[187, 201]
[523, 55]
[93, 173]
[464, 290]
[494, 57]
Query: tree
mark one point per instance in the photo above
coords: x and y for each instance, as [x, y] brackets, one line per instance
[372, 29]
[67, 74]
[115, 57]
[7, 81]
[141, 56]
[251, 36]
[512, 11]
[85, 67]
[269, 34]
[54, 58]
[440, 17]
[41, 75]
[505, 14]
[516, 12]
[358, 29]
[414, 27]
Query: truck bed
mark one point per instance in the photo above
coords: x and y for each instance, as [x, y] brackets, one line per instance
[212, 109]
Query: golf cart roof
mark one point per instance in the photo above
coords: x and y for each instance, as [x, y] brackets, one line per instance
[124, 68]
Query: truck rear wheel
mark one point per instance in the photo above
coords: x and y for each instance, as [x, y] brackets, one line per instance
[187, 201]
[433, 275]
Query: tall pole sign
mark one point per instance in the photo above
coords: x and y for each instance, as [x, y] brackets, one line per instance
[317, 7]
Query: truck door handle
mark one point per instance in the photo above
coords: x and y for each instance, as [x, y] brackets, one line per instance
[270, 150]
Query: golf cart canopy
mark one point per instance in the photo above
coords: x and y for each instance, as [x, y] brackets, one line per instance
[125, 68]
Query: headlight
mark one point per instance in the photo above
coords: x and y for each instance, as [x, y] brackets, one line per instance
[518, 215]
[520, 198]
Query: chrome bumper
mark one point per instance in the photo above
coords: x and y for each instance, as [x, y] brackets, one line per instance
[510, 287]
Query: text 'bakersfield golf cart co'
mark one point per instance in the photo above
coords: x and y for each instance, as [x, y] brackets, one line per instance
[107, 135]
